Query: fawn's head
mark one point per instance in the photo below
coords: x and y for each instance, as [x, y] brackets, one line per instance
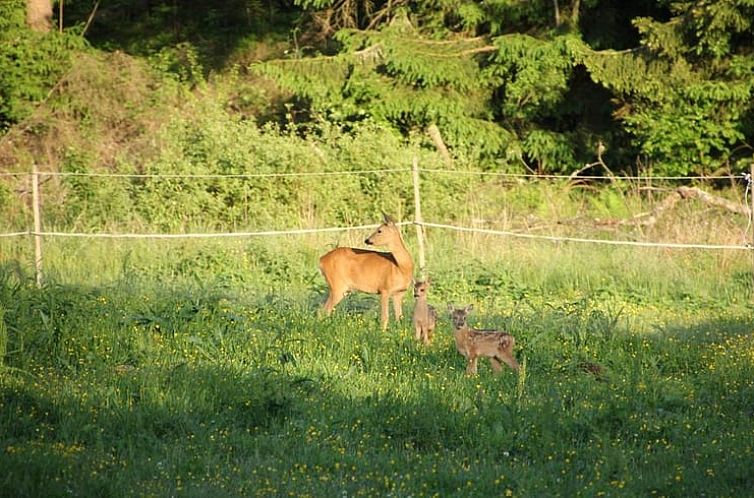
[458, 315]
[421, 288]
[387, 233]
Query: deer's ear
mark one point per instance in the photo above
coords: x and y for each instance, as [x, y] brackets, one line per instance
[386, 218]
[450, 307]
[469, 307]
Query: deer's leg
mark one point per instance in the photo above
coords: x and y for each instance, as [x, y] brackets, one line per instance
[430, 333]
[384, 314]
[423, 337]
[496, 365]
[336, 296]
[471, 367]
[510, 360]
[419, 333]
[397, 308]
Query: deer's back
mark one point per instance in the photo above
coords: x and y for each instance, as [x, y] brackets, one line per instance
[489, 340]
[362, 269]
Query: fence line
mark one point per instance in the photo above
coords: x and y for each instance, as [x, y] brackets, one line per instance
[575, 177]
[666, 245]
[38, 234]
[224, 176]
[262, 233]
[304, 231]
[531, 176]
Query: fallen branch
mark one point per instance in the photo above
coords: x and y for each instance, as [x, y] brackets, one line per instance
[680, 193]
[694, 192]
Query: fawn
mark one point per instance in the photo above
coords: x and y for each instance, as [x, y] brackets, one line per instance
[425, 316]
[475, 343]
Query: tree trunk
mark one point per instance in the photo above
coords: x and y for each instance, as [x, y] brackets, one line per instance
[557, 13]
[575, 8]
[39, 15]
[434, 133]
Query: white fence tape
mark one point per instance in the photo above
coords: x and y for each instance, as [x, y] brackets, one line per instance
[668, 245]
[263, 233]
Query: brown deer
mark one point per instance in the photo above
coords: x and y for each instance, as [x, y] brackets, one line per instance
[425, 316]
[385, 273]
[475, 343]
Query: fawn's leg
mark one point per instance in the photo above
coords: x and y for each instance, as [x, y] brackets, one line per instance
[510, 360]
[471, 367]
[336, 296]
[496, 365]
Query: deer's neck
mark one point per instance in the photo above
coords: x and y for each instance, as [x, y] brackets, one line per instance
[460, 333]
[461, 336]
[402, 257]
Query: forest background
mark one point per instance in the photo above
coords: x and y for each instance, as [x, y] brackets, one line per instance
[587, 87]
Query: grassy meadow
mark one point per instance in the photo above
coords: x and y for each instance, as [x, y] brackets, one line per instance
[202, 368]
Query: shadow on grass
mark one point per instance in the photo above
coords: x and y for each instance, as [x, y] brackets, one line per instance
[148, 393]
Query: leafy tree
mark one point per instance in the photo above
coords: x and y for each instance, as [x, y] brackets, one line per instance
[686, 93]
[31, 62]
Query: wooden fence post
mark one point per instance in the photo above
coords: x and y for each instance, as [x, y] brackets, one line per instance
[418, 221]
[37, 224]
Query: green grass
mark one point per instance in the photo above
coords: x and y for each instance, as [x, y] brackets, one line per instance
[202, 369]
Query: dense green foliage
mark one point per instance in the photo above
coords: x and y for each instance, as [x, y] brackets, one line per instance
[30, 63]
[680, 97]
[508, 84]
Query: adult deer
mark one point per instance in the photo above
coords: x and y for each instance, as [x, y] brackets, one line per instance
[388, 274]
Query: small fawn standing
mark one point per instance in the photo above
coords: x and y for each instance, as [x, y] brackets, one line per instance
[425, 316]
[475, 343]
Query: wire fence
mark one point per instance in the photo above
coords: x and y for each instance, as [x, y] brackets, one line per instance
[457, 172]
[231, 176]
[38, 233]
[551, 238]
[216, 235]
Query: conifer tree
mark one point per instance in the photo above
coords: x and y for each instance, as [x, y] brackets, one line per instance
[500, 83]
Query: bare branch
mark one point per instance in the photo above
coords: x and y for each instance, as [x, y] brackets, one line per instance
[680, 193]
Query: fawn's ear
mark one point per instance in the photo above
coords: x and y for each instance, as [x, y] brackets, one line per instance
[469, 307]
[387, 219]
